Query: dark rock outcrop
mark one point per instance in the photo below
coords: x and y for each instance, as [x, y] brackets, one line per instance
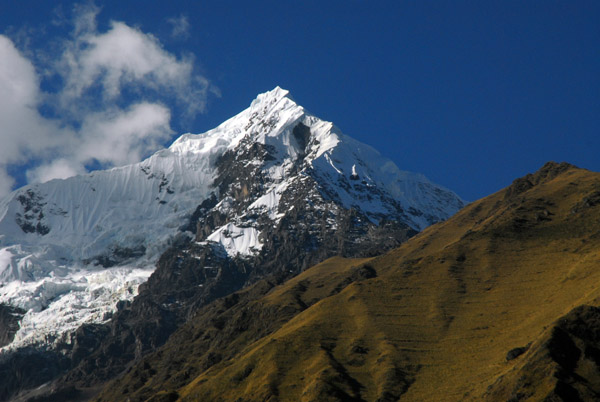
[516, 352]
[9, 323]
[549, 171]
[569, 359]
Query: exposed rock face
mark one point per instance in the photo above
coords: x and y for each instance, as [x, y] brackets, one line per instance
[32, 218]
[9, 323]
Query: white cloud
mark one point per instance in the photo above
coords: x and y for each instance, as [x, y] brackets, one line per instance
[85, 18]
[123, 56]
[181, 27]
[22, 130]
[112, 107]
[120, 137]
[113, 138]
[57, 169]
[18, 100]
[6, 182]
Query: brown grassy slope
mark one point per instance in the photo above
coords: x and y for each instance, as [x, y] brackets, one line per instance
[437, 322]
[222, 329]
[562, 365]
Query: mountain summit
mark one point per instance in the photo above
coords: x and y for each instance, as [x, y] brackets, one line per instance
[294, 142]
[273, 189]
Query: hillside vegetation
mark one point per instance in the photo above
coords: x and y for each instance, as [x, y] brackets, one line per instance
[496, 303]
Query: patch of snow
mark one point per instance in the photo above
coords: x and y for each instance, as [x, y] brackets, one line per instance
[237, 241]
[57, 306]
[328, 159]
[270, 201]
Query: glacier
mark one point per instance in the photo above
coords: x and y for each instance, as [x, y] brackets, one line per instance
[71, 249]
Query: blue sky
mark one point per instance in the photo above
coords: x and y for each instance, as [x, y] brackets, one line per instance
[471, 93]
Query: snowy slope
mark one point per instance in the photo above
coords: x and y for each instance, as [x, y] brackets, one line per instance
[54, 235]
[70, 249]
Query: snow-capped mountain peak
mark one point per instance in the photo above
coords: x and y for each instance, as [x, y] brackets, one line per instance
[71, 249]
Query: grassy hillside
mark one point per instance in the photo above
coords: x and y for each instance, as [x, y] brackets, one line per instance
[483, 306]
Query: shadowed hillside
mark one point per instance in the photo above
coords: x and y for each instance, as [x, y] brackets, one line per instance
[494, 304]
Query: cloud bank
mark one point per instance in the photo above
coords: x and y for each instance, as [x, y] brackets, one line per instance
[110, 106]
